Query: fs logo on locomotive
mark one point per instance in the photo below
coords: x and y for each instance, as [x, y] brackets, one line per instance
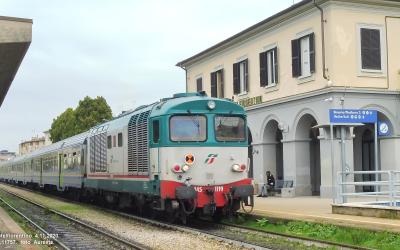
[211, 158]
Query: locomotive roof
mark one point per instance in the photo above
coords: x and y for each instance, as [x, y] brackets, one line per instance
[182, 103]
[194, 103]
[179, 103]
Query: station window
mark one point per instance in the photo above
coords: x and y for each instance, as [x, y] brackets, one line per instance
[217, 84]
[156, 131]
[109, 142]
[269, 67]
[120, 143]
[303, 56]
[114, 141]
[199, 84]
[371, 58]
[240, 77]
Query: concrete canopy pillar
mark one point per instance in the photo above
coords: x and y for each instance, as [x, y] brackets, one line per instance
[327, 180]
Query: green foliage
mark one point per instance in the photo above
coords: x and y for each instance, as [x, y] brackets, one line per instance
[89, 113]
[262, 222]
[320, 231]
[353, 236]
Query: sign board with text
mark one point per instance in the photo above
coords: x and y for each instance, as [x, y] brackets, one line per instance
[353, 116]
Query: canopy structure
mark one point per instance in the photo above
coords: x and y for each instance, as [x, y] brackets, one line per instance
[15, 38]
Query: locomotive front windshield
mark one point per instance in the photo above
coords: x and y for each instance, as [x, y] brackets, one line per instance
[229, 128]
[188, 128]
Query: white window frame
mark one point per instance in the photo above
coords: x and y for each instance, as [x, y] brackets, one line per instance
[371, 72]
[241, 60]
[265, 49]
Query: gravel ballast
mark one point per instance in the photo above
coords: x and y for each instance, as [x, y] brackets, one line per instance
[148, 235]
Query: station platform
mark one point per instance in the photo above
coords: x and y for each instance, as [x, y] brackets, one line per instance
[316, 209]
[9, 227]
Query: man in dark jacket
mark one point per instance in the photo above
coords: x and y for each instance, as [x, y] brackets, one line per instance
[267, 186]
[270, 181]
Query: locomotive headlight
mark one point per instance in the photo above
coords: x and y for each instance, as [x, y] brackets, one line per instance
[185, 168]
[236, 167]
[211, 104]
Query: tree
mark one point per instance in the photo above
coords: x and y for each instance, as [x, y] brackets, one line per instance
[63, 126]
[91, 112]
[88, 114]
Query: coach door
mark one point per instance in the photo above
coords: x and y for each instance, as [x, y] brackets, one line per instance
[41, 172]
[60, 170]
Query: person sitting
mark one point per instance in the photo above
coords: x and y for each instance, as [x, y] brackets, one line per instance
[270, 181]
[270, 185]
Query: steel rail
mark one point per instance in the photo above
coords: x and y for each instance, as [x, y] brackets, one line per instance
[131, 244]
[180, 228]
[34, 224]
[218, 237]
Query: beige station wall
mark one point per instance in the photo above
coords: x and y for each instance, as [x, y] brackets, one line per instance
[343, 47]
[251, 49]
[342, 57]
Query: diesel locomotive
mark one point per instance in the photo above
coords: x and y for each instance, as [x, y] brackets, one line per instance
[181, 156]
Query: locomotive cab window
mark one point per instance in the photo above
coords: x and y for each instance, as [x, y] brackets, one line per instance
[188, 128]
[230, 128]
[156, 131]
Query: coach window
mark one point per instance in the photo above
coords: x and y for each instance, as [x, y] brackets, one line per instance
[119, 139]
[109, 142]
[156, 131]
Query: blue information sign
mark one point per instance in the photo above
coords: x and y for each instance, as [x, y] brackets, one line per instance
[353, 116]
[383, 128]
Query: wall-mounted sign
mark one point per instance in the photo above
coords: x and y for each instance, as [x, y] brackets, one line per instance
[383, 129]
[353, 116]
[250, 101]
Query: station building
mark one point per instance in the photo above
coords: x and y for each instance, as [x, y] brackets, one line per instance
[290, 69]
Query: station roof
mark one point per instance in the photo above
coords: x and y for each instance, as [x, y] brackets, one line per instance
[15, 38]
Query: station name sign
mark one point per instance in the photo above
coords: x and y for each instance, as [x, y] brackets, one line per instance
[353, 116]
[247, 102]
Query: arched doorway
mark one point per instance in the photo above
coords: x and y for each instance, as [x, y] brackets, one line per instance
[364, 152]
[273, 150]
[250, 153]
[308, 168]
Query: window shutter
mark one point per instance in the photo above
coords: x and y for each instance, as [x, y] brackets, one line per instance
[296, 67]
[236, 84]
[222, 82]
[371, 49]
[214, 84]
[263, 69]
[312, 52]
[276, 64]
[199, 83]
[246, 75]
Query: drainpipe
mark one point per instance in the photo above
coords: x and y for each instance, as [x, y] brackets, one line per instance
[186, 82]
[324, 69]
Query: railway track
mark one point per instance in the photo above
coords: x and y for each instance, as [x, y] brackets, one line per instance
[233, 234]
[62, 230]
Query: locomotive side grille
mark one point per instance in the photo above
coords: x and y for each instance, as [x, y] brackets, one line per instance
[98, 153]
[138, 148]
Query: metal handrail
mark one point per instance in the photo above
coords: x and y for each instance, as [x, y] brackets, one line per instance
[390, 182]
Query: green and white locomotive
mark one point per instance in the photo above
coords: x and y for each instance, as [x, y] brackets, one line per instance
[182, 155]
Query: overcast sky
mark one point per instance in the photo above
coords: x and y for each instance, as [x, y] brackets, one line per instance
[125, 51]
